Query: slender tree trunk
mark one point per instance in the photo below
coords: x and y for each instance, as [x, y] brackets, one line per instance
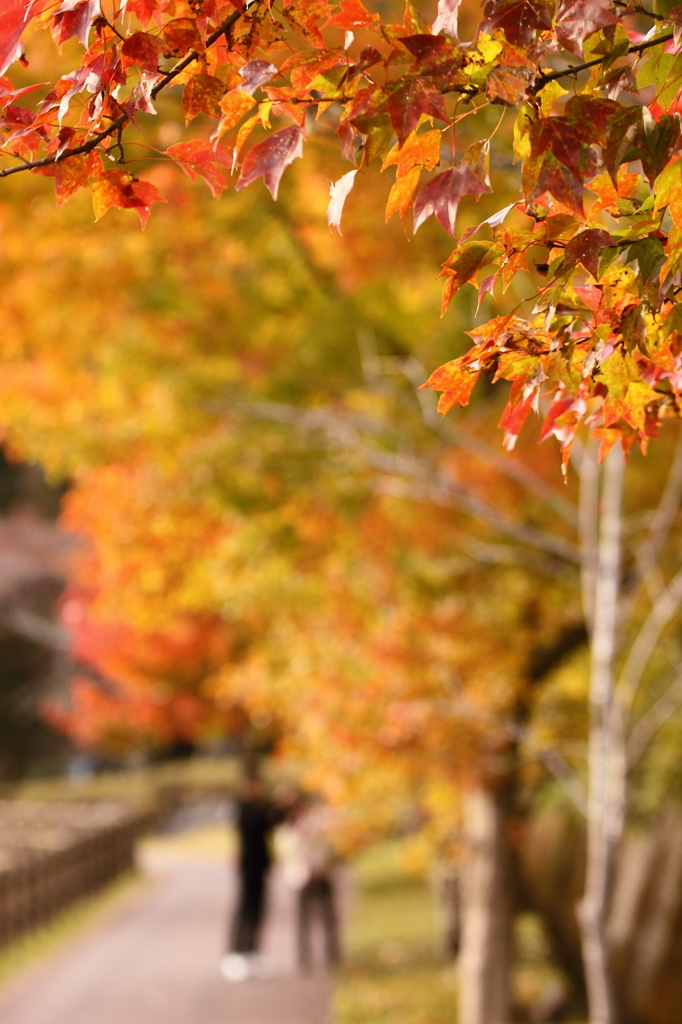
[605, 775]
[485, 952]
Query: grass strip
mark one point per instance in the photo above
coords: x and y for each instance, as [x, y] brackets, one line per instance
[392, 970]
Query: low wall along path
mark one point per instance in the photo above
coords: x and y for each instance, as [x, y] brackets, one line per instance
[53, 854]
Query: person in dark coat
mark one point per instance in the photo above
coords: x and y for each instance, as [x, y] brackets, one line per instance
[255, 820]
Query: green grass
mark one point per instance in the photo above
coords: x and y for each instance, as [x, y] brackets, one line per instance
[27, 950]
[392, 971]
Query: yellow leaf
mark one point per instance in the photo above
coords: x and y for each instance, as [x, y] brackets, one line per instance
[551, 92]
[244, 132]
[234, 105]
[416, 150]
[402, 193]
[264, 110]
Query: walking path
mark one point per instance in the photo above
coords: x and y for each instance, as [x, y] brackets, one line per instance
[154, 960]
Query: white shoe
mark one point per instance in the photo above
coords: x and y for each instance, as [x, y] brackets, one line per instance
[235, 967]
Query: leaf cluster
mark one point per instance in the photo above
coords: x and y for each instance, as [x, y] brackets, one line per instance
[601, 343]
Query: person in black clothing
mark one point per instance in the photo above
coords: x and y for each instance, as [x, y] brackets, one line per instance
[256, 818]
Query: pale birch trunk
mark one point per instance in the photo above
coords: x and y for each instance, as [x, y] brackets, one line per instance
[485, 951]
[605, 805]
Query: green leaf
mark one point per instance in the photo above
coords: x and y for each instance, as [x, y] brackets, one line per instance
[609, 42]
[668, 191]
[673, 253]
[649, 253]
[527, 117]
[655, 68]
[617, 372]
[464, 264]
[634, 135]
[663, 71]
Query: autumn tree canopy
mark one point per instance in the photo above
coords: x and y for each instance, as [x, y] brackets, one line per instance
[590, 86]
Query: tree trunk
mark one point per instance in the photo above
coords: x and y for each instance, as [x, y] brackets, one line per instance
[447, 887]
[485, 952]
[645, 922]
[605, 807]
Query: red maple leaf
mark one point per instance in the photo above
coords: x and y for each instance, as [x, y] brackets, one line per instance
[117, 187]
[270, 158]
[13, 17]
[558, 163]
[519, 19]
[442, 194]
[586, 247]
[304, 16]
[199, 158]
[353, 15]
[407, 101]
[579, 19]
[141, 49]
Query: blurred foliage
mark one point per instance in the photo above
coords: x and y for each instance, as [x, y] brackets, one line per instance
[240, 564]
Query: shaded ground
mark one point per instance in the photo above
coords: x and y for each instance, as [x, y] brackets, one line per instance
[153, 959]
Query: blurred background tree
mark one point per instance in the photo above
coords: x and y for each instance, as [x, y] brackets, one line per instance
[275, 527]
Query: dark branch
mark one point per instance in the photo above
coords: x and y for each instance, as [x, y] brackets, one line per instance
[118, 124]
[47, 161]
[638, 9]
[574, 69]
[194, 55]
[545, 658]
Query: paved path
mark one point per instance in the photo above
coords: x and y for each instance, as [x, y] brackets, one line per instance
[153, 959]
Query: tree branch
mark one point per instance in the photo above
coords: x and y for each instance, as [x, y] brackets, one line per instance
[639, 9]
[663, 518]
[121, 120]
[505, 554]
[557, 766]
[413, 370]
[36, 628]
[574, 69]
[588, 517]
[438, 491]
[662, 611]
[415, 477]
[193, 55]
[651, 721]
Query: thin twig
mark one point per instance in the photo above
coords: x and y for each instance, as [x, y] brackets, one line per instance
[505, 554]
[652, 720]
[557, 765]
[119, 122]
[413, 476]
[588, 519]
[662, 611]
[575, 69]
[416, 374]
[664, 516]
